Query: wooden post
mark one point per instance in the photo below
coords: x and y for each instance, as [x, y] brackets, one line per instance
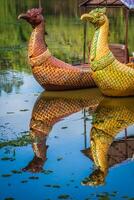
[85, 130]
[125, 133]
[126, 33]
[126, 142]
[85, 40]
[39, 3]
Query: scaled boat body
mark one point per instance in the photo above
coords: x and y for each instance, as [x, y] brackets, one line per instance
[111, 76]
[50, 72]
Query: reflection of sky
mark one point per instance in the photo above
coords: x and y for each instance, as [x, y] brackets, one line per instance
[18, 91]
[13, 121]
[15, 113]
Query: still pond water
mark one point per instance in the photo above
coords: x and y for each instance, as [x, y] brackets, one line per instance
[73, 132]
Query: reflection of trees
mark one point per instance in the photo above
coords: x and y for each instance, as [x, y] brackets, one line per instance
[10, 81]
[62, 26]
[15, 58]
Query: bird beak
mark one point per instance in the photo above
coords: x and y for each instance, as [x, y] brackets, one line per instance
[85, 16]
[23, 16]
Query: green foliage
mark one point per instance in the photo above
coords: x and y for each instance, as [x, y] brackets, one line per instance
[65, 31]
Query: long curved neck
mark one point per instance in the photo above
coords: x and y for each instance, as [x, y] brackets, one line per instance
[37, 43]
[99, 46]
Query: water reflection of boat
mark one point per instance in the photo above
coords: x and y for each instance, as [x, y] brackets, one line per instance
[111, 117]
[121, 150]
[50, 108]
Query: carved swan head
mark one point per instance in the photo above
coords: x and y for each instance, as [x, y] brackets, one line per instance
[97, 16]
[33, 16]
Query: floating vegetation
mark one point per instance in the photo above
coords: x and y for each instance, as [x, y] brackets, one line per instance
[52, 186]
[64, 127]
[48, 185]
[64, 196]
[22, 141]
[47, 172]
[36, 95]
[9, 113]
[106, 195]
[6, 158]
[16, 172]
[59, 159]
[24, 132]
[24, 181]
[24, 110]
[56, 137]
[47, 199]
[34, 177]
[72, 180]
[6, 175]
[56, 186]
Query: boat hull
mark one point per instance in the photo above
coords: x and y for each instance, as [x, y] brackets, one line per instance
[55, 74]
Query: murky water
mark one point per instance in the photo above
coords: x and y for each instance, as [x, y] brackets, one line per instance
[52, 142]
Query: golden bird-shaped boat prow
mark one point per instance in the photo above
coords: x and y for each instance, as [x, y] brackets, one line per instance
[111, 76]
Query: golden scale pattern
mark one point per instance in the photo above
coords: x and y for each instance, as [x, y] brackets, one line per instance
[115, 80]
[49, 110]
[51, 107]
[111, 117]
[112, 77]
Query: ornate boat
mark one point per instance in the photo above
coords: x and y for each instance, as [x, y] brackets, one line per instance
[111, 76]
[112, 116]
[50, 72]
